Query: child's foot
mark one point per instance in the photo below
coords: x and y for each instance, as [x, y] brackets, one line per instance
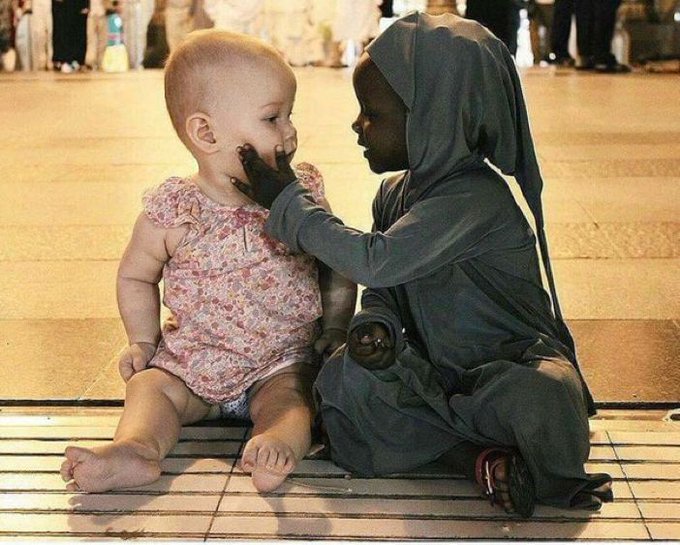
[112, 466]
[268, 460]
[506, 480]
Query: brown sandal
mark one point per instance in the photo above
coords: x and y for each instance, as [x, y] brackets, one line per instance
[519, 484]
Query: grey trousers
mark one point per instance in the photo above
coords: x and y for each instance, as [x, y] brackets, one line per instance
[399, 418]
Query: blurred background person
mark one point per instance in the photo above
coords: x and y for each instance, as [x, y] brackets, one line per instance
[500, 16]
[540, 13]
[34, 32]
[595, 23]
[563, 13]
[136, 18]
[97, 34]
[69, 34]
[7, 52]
[244, 16]
[179, 21]
[355, 24]
[292, 30]
[156, 44]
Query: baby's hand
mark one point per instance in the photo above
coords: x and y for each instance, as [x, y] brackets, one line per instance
[264, 183]
[330, 340]
[371, 347]
[135, 358]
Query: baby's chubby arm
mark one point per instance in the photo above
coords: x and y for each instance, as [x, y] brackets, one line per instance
[338, 299]
[139, 273]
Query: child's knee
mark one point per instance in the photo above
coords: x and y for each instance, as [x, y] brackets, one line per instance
[154, 381]
[559, 377]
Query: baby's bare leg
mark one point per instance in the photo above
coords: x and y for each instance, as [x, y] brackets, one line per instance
[282, 412]
[157, 404]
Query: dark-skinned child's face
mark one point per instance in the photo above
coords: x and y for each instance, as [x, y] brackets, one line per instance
[381, 124]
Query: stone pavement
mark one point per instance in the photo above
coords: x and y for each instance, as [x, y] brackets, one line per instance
[78, 150]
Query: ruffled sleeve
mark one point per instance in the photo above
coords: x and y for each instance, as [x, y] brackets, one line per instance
[173, 203]
[310, 177]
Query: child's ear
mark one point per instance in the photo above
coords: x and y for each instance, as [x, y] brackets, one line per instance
[200, 132]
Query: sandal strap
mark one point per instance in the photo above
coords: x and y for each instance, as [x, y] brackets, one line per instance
[485, 467]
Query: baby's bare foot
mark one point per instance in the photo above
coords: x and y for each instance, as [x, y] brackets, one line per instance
[268, 460]
[112, 466]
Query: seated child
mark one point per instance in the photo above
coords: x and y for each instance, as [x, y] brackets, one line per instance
[249, 318]
[459, 354]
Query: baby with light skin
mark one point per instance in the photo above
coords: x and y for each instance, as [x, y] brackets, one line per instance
[251, 320]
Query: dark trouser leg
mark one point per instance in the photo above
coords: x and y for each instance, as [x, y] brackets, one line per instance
[546, 12]
[461, 458]
[603, 29]
[79, 37]
[538, 408]
[561, 27]
[387, 421]
[512, 25]
[585, 26]
[399, 418]
[59, 31]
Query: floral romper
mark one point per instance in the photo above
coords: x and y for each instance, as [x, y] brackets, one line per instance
[244, 305]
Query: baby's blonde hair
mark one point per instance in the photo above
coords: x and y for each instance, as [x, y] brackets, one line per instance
[191, 71]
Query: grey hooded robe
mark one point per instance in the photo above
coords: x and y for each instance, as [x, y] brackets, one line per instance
[451, 268]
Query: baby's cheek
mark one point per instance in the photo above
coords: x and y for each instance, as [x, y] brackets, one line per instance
[234, 167]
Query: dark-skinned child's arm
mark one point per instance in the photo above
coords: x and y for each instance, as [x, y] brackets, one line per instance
[338, 294]
[338, 299]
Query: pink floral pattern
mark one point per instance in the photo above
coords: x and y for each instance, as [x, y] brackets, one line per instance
[244, 305]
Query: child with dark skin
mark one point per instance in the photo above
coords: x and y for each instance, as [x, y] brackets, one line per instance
[458, 346]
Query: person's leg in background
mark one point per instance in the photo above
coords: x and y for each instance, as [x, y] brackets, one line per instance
[178, 23]
[561, 29]
[512, 20]
[603, 31]
[545, 12]
[534, 32]
[135, 26]
[59, 33]
[500, 16]
[148, 7]
[79, 39]
[585, 32]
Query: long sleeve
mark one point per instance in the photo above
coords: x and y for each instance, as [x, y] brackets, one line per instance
[434, 232]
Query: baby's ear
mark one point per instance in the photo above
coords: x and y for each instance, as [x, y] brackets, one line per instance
[200, 132]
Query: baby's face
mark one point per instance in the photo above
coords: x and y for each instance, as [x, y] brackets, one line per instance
[256, 110]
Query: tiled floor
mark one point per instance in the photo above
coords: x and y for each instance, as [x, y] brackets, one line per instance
[202, 494]
[77, 152]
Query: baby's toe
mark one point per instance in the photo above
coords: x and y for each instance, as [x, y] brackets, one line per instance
[66, 470]
[267, 458]
[72, 487]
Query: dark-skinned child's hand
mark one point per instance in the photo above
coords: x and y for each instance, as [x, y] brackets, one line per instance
[264, 182]
[329, 341]
[370, 346]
